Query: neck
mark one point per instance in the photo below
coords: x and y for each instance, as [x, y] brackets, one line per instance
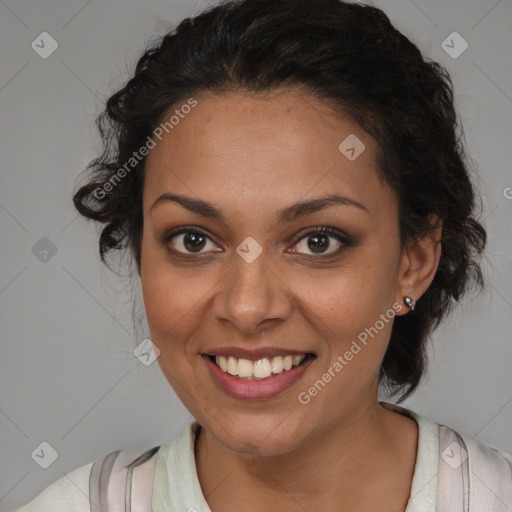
[351, 462]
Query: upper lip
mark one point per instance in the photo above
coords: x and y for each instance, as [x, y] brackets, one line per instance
[254, 354]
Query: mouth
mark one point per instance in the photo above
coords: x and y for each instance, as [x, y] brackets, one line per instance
[258, 374]
[259, 378]
[259, 369]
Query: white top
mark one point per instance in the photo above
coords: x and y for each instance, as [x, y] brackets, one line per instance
[176, 485]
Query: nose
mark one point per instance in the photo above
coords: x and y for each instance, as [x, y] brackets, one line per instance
[251, 297]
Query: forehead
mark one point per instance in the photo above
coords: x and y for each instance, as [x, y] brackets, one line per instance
[261, 149]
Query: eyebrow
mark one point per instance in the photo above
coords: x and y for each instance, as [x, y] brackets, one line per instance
[288, 214]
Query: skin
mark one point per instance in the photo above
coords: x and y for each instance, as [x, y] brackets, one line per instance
[251, 156]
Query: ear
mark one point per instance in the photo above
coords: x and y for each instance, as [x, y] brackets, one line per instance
[419, 262]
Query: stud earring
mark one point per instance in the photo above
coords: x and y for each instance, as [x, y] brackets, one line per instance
[410, 302]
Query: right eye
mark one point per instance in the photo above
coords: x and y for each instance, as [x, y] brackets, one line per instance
[188, 241]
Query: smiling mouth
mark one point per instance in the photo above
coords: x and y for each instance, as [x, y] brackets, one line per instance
[260, 369]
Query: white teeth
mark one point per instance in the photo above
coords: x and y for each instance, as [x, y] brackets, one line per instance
[296, 360]
[244, 368]
[260, 369]
[232, 366]
[222, 363]
[277, 364]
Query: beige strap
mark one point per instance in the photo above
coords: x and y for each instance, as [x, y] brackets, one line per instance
[99, 478]
[453, 477]
[122, 482]
[139, 482]
[473, 477]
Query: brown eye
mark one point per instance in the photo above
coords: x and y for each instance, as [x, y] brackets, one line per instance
[322, 241]
[318, 244]
[190, 242]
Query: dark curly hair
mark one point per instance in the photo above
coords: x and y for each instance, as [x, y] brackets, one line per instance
[350, 56]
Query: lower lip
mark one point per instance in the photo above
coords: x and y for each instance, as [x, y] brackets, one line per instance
[256, 389]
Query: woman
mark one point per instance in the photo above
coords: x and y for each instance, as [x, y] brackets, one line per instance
[290, 182]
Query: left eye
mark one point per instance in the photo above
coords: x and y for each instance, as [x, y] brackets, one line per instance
[191, 242]
[318, 243]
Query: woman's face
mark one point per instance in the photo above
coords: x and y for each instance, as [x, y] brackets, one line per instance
[247, 272]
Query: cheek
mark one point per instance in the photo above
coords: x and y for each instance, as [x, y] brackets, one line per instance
[346, 305]
[169, 305]
[174, 299]
[351, 296]
[344, 312]
[165, 301]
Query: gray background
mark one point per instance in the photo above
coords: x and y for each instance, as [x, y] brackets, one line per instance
[68, 375]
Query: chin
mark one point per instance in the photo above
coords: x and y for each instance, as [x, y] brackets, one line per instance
[258, 434]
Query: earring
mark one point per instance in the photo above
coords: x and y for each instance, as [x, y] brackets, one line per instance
[410, 302]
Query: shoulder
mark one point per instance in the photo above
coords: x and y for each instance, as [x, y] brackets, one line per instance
[68, 494]
[100, 484]
[471, 473]
[507, 456]
[488, 483]
[482, 455]
[454, 470]
[479, 454]
[439, 438]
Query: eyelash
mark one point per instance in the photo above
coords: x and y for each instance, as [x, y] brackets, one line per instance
[344, 239]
